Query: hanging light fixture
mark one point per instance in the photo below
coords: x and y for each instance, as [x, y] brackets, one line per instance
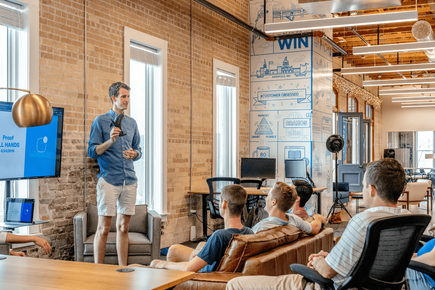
[398, 82]
[393, 48]
[407, 91]
[388, 68]
[349, 21]
[31, 110]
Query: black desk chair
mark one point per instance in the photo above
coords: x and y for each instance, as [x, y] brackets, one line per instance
[252, 199]
[389, 246]
[249, 214]
[213, 184]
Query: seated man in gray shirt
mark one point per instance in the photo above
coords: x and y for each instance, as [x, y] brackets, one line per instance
[279, 200]
[231, 202]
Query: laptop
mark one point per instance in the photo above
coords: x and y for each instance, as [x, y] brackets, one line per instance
[19, 211]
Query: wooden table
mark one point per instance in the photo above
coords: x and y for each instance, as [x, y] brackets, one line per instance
[44, 274]
[250, 191]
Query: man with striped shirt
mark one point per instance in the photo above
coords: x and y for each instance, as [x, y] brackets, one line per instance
[383, 184]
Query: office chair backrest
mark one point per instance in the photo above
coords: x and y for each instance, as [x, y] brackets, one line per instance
[215, 185]
[389, 245]
[251, 183]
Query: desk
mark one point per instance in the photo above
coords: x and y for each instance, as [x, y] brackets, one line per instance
[43, 274]
[250, 191]
[12, 226]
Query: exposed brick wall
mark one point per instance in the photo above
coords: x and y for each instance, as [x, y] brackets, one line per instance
[62, 83]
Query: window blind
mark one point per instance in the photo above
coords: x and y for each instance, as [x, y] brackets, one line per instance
[11, 14]
[143, 53]
[224, 78]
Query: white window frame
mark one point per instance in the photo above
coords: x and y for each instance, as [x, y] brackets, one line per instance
[217, 64]
[31, 27]
[160, 204]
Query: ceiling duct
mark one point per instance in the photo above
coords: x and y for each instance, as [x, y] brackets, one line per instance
[422, 31]
[334, 6]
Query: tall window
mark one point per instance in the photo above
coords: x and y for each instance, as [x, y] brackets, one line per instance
[352, 104]
[425, 145]
[335, 110]
[225, 119]
[146, 73]
[370, 114]
[20, 26]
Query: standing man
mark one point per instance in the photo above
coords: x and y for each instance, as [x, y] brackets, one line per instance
[117, 182]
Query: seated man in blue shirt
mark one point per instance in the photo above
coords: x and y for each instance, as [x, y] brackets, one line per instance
[304, 191]
[279, 200]
[231, 202]
[418, 280]
[16, 239]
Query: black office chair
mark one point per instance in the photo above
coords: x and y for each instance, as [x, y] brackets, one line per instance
[214, 184]
[389, 246]
[249, 213]
[252, 199]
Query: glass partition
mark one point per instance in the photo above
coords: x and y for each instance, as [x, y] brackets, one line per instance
[413, 148]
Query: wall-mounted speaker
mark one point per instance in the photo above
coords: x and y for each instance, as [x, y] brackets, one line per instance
[389, 153]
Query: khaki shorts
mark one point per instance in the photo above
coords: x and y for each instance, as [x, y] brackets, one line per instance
[108, 196]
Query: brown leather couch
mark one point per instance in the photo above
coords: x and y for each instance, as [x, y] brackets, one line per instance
[269, 252]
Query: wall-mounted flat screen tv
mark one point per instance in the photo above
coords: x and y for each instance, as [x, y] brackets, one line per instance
[33, 152]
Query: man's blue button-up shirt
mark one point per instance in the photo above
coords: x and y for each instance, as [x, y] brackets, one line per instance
[114, 168]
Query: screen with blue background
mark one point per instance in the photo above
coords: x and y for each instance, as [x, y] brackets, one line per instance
[31, 152]
[26, 212]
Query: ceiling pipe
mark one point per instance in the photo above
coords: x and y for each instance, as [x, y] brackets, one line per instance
[263, 35]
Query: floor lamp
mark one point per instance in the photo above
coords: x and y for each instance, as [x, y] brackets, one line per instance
[334, 144]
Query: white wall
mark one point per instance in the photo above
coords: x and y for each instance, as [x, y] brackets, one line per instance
[395, 119]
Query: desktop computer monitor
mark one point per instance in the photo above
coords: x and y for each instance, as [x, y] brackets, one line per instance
[258, 168]
[295, 168]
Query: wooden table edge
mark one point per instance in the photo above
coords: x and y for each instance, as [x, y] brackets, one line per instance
[175, 283]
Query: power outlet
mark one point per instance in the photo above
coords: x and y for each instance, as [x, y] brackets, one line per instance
[193, 211]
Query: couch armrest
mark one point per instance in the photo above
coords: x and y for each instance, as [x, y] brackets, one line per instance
[208, 281]
[5, 249]
[154, 232]
[80, 234]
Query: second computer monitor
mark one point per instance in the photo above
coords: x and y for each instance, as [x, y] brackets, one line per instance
[295, 168]
[258, 168]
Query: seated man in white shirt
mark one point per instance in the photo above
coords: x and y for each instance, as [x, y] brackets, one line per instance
[383, 184]
[279, 200]
[15, 239]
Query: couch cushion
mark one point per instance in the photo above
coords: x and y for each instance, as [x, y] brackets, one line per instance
[138, 244]
[242, 247]
[138, 222]
[276, 262]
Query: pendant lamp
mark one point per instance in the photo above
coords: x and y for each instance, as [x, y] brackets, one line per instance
[31, 110]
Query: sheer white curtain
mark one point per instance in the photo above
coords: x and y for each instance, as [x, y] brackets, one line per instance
[226, 133]
[143, 66]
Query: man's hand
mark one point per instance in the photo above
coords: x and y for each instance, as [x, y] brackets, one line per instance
[320, 217]
[18, 254]
[114, 133]
[43, 244]
[130, 154]
[312, 256]
[159, 264]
